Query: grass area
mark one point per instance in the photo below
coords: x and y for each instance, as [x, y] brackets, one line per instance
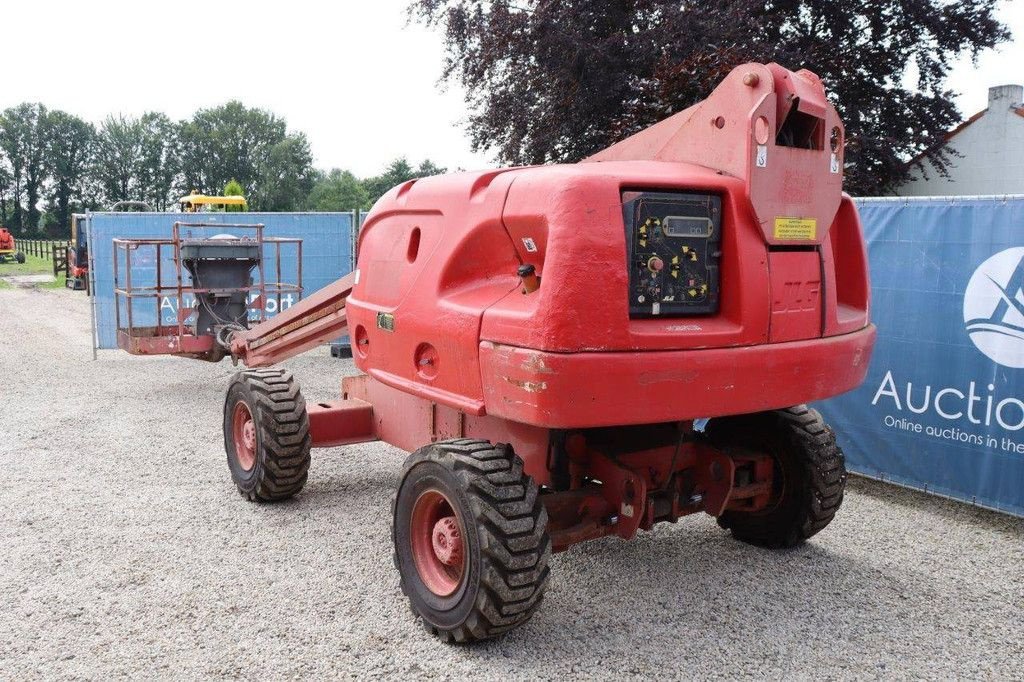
[31, 266]
[55, 284]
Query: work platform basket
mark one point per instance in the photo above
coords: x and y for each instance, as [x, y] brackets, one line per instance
[175, 296]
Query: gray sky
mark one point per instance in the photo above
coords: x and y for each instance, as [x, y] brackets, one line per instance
[351, 74]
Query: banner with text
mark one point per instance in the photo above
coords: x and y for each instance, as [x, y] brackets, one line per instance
[941, 407]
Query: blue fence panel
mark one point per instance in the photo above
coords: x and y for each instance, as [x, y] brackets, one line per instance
[327, 240]
[941, 407]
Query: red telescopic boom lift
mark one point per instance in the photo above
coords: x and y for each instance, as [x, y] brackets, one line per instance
[576, 351]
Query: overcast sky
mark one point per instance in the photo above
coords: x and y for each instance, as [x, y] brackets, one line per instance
[351, 74]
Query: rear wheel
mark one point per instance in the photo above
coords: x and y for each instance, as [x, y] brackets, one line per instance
[266, 434]
[809, 475]
[20, 257]
[470, 539]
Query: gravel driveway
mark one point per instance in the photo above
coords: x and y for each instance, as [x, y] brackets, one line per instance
[126, 551]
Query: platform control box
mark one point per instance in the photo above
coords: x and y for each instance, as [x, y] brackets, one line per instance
[673, 249]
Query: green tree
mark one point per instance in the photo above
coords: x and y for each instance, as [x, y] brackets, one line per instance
[397, 172]
[250, 145]
[6, 185]
[22, 141]
[91, 196]
[10, 145]
[429, 168]
[338, 190]
[287, 176]
[119, 159]
[551, 80]
[69, 144]
[234, 189]
[158, 162]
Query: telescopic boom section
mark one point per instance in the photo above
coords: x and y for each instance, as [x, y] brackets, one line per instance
[310, 323]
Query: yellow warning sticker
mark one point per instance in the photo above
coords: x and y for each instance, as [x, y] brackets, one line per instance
[796, 228]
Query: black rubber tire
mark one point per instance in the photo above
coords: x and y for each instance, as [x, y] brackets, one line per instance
[282, 434]
[20, 257]
[505, 525]
[808, 461]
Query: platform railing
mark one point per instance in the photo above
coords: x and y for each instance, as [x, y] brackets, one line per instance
[177, 338]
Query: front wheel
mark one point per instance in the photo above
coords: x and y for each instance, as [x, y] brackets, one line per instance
[266, 434]
[808, 480]
[470, 538]
[20, 257]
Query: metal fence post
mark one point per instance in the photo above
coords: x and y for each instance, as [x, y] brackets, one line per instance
[91, 283]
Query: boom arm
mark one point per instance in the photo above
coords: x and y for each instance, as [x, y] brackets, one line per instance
[305, 325]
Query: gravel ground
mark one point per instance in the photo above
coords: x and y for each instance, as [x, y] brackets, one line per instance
[127, 552]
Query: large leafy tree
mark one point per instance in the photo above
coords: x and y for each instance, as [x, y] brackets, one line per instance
[286, 176]
[397, 172]
[137, 159]
[158, 163]
[22, 140]
[338, 190]
[556, 80]
[6, 185]
[119, 159]
[69, 144]
[249, 145]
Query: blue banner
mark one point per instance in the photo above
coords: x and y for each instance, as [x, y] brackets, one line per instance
[941, 407]
[327, 240]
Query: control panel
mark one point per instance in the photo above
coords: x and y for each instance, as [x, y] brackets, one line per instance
[673, 242]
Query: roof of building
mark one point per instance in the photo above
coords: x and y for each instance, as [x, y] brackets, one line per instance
[1019, 110]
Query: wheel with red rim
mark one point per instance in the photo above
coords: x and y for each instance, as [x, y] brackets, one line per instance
[244, 436]
[266, 434]
[438, 542]
[808, 480]
[470, 538]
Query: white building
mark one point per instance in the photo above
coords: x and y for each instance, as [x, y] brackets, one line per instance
[990, 145]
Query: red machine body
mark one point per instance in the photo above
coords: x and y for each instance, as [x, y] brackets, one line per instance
[437, 309]
[439, 257]
[787, 316]
[8, 248]
[77, 255]
[589, 318]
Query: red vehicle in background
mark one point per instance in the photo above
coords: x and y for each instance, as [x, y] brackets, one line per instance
[77, 276]
[8, 249]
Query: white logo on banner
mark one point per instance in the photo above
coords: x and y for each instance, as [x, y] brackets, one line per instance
[994, 307]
